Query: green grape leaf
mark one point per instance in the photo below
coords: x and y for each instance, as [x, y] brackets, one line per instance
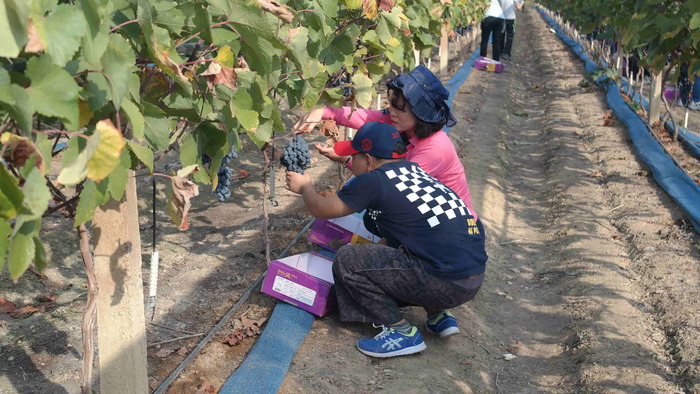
[21, 250]
[143, 154]
[362, 85]
[44, 145]
[39, 254]
[6, 95]
[117, 65]
[157, 132]
[695, 21]
[136, 120]
[22, 108]
[262, 134]
[120, 176]
[242, 109]
[61, 32]
[53, 92]
[89, 200]
[11, 195]
[5, 231]
[14, 15]
[36, 196]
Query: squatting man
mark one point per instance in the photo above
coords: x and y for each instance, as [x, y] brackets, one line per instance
[432, 253]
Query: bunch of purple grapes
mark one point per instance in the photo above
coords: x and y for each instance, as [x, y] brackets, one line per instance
[296, 155]
[224, 174]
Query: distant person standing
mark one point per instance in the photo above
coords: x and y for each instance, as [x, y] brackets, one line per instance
[493, 25]
[510, 6]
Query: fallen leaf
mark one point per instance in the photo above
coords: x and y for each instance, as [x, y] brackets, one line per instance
[47, 298]
[608, 115]
[468, 118]
[206, 388]
[163, 353]
[520, 113]
[252, 327]
[181, 351]
[242, 174]
[7, 306]
[276, 9]
[235, 337]
[616, 236]
[596, 174]
[24, 311]
[608, 122]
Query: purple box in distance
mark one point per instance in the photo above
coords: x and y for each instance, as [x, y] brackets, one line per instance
[333, 233]
[304, 280]
[484, 63]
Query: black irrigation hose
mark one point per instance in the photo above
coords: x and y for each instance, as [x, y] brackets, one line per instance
[176, 372]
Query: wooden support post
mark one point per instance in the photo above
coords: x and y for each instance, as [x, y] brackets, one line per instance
[416, 54]
[121, 324]
[655, 97]
[444, 53]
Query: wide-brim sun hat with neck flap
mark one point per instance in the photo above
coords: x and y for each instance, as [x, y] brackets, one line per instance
[425, 94]
[374, 138]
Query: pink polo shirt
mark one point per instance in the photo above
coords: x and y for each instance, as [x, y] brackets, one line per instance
[435, 154]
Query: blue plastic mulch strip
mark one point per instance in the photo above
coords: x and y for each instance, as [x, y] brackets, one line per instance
[264, 368]
[458, 79]
[671, 178]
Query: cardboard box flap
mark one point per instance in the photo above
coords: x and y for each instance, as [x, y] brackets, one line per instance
[312, 264]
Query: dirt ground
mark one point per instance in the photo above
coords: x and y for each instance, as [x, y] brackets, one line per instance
[592, 281]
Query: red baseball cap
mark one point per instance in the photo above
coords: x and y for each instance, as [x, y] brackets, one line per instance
[374, 138]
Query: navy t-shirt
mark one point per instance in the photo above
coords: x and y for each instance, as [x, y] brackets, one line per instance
[408, 207]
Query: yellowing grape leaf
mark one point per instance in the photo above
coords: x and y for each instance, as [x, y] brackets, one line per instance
[181, 191]
[370, 7]
[108, 151]
[98, 158]
[20, 149]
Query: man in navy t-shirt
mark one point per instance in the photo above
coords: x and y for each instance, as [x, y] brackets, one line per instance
[434, 253]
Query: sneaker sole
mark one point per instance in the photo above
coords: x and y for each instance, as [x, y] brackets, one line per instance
[444, 333]
[402, 352]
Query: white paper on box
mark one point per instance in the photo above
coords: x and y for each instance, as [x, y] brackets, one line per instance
[294, 290]
[314, 265]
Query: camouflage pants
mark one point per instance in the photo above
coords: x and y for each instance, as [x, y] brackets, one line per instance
[373, 281]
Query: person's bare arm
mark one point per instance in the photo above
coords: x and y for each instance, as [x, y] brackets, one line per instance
[319, 206]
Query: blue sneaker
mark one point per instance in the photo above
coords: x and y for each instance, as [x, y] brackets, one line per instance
[390, 343]
[443, 325]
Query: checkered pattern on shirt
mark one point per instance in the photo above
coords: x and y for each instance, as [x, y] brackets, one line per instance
[433, 199]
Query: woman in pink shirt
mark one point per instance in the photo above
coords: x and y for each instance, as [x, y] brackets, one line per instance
[418, 109]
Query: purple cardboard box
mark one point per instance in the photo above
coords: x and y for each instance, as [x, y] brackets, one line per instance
[334, 233]
[304, 280]
[484, 63]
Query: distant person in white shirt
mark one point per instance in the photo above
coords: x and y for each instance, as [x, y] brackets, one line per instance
[510, 6]
[493, 24]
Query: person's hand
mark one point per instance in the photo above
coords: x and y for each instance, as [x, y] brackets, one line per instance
[296, 182]
[328, 151]
[309, 121]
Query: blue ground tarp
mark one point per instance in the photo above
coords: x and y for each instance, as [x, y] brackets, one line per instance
[264, 368]
[671, 178]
